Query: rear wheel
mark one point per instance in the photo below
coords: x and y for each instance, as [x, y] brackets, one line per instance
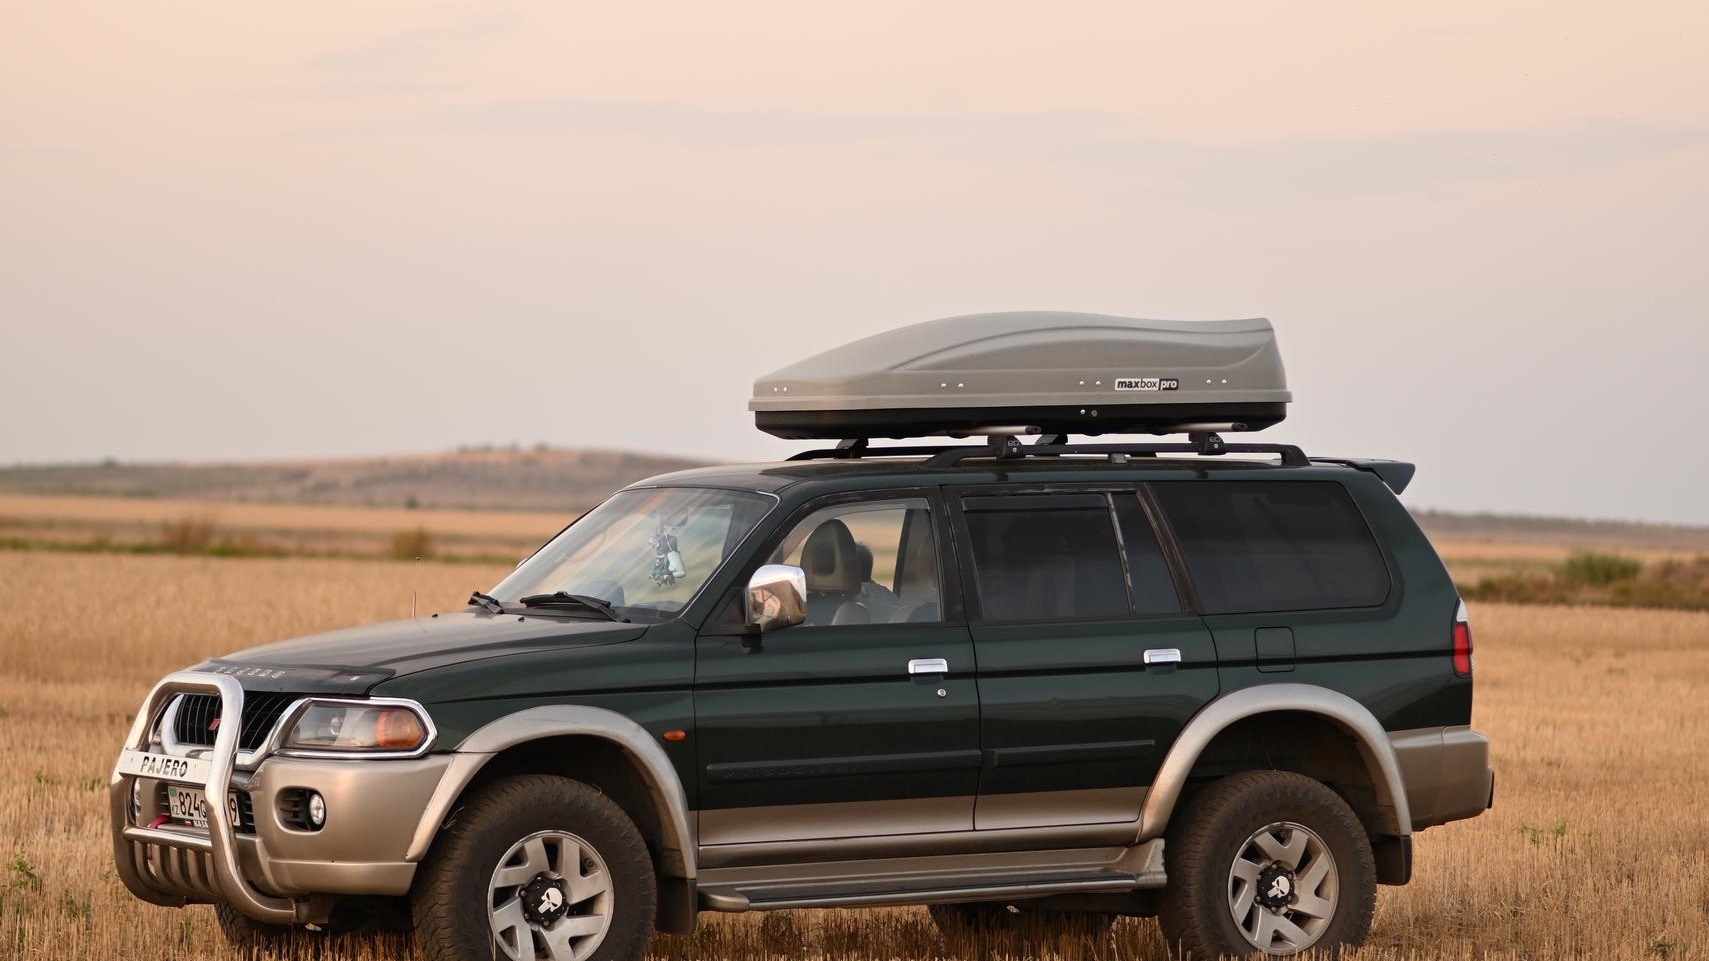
[1267, 863]
[536, 867]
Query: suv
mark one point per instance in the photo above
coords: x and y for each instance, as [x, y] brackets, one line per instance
[1059, 682]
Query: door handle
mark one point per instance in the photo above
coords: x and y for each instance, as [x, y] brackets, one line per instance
[928, 665]
[1163, 655]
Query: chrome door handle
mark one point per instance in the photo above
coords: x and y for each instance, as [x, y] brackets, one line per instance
[1163, 655]
[927, 665]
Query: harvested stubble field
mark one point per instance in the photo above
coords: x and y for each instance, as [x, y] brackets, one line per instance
[1598, 846]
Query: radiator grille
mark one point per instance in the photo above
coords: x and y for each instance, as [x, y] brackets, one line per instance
[198, 712]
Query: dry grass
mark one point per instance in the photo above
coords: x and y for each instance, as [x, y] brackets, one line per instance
[189, 526]
[1596, 849]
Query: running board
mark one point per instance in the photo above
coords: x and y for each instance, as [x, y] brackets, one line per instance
[930, 880]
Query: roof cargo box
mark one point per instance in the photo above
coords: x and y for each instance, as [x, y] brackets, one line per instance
[1032, 371]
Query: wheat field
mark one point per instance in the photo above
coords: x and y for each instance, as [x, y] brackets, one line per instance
[1598, 846]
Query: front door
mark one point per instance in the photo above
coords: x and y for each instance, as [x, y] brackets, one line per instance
[1071, 598]
[864, 720]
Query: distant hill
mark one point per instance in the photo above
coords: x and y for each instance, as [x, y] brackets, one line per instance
[495, 479]
[557, 479]
[1578, 532]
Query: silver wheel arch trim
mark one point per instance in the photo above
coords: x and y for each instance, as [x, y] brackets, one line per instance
[676, 846]
[1375, 748]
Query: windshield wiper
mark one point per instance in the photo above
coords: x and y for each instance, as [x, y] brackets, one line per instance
[566, 599]
[487, 601]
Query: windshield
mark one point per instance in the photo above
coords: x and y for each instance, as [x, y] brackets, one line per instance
[644, 552]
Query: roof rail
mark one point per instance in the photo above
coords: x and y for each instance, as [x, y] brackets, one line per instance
[1008, 447]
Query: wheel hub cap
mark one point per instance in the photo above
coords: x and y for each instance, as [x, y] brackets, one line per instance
[544, 901]
[1275, 887]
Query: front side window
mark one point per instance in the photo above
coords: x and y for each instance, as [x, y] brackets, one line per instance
[868, 562]
[645, 552]
[1274, 546]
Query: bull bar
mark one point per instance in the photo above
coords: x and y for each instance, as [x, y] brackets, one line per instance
[190, 860]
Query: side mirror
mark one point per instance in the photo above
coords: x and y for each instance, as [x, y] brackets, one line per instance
[776, 598]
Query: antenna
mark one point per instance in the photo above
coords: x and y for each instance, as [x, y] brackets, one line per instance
[413, 569]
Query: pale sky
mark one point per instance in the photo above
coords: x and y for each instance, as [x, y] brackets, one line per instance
[238, 230]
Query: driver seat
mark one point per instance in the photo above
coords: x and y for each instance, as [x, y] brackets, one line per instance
[831, 560]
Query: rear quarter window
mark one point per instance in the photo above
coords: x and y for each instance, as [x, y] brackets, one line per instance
[1274, 546]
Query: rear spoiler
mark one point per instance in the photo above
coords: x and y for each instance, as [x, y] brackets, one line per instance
[1395, 473]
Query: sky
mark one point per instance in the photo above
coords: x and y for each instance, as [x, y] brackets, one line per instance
[274, 231]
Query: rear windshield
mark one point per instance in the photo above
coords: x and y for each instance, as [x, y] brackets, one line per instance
[1277, 546]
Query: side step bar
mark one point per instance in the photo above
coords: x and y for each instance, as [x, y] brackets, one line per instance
[982, 877]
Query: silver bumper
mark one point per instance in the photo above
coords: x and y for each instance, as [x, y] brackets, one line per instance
[374, 809]
[1447, 772]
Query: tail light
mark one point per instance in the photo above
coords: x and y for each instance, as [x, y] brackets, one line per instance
[1462, 642]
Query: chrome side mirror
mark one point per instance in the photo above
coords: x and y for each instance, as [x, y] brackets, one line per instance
[776, 598]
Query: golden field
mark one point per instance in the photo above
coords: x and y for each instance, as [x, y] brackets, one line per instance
[1598, 846]
[119, 523]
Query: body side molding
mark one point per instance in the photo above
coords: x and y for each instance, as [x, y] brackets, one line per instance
[676, 848]
[1375, 748]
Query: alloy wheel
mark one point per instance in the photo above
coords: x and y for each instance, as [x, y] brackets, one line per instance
[550, 897]
[1283, 888]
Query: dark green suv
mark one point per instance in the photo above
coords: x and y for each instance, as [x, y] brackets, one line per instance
[1056, 681]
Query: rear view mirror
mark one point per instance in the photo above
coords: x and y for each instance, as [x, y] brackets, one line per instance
[776, 598]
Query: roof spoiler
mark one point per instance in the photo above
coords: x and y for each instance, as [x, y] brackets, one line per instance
[1395, 473]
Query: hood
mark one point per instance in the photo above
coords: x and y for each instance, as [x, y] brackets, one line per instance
[353, 660]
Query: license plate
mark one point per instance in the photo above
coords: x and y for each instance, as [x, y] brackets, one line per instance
[165, 767]
[191, 806]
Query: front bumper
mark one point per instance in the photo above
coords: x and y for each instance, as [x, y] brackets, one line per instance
[262, 864]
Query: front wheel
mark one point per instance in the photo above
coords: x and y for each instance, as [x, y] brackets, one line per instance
[536, 867]
[1267, 863]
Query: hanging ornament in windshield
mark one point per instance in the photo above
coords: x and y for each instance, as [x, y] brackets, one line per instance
[667, 560]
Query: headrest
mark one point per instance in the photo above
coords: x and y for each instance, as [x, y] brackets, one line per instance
[831, 560]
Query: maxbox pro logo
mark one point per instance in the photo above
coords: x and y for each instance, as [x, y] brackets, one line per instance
[1148, 383]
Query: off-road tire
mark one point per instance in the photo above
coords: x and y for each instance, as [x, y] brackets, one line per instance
[1204, 839]
[974, 922]
[450, 896]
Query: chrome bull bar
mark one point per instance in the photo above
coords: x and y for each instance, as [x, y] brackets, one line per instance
[219, 845]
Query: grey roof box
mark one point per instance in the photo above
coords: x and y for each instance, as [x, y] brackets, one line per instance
[1043, 371]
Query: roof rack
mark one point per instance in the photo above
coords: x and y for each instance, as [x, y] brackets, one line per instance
[1009, 447]
[1394, 473]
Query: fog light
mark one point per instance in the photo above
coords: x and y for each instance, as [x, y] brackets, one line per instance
[317, 810]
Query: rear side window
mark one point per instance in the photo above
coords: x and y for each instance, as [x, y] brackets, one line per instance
[1052, 556]
[1045, 556]
[1153, 587]
[1280, 546]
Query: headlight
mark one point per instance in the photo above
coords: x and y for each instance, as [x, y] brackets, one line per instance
[356, 726]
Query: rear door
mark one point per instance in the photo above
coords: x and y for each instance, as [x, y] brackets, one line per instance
[1068, 592]
[823, 730]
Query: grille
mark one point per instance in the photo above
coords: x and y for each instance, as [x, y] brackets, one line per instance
[261, 710]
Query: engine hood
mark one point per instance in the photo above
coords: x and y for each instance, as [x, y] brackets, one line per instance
[353, 660]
